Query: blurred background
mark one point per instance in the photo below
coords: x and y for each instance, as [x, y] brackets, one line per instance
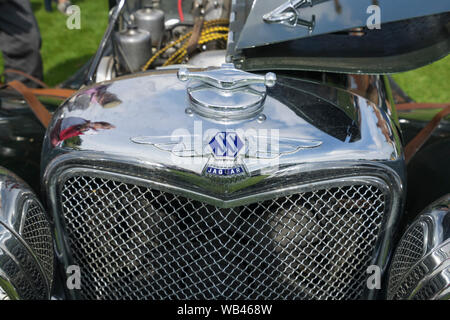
[64, 51]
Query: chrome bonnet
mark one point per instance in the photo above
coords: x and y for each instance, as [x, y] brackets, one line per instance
[144, 136]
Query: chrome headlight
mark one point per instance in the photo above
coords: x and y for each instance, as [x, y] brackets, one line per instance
[26, 246]
[420, 269]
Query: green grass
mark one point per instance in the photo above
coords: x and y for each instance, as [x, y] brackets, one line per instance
[64, 51]
[427, 84]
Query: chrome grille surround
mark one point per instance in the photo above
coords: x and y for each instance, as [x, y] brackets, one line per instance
[35, 230]
[134, 241]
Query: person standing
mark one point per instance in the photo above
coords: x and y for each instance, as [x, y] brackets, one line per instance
[20, 40]
[63, 6]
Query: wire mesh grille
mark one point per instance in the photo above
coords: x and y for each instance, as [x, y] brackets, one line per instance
[133, 242]
[408, 253]
[36, 232]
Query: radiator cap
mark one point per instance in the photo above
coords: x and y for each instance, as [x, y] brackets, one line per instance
[227, 93]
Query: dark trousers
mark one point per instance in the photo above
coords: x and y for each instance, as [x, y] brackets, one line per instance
[20, 39]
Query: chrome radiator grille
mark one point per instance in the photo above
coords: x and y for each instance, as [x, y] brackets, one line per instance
[133, 242]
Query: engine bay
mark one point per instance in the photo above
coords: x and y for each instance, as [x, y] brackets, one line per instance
[155, 35]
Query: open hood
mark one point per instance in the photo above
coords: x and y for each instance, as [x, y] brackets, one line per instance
[334, 35]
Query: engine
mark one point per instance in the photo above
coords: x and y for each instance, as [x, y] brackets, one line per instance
[155, 35]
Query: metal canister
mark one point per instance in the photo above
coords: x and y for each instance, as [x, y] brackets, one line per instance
[133, 47]
[151, 20]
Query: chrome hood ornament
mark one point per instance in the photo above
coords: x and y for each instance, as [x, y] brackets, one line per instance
[228, 77]
[227, 94]
[288, 14]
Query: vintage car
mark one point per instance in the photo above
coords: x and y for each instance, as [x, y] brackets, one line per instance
[235, 149]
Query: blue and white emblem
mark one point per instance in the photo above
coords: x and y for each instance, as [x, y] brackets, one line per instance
[225, 147]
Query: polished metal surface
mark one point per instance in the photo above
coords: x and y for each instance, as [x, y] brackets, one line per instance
[171, 23]
[330, 16]
[214, 9]
[420, 268]
[210, 58]
[136, 242]
[21, 276]
[117, 11]
[26, 246]
[104, 119]
[106, 69]
[100, 130]
[3, 295]
[228, 77]
[238, 14]
[288, 14]
[151, 20]
[347, 36]
[133, 47]
[227, 94]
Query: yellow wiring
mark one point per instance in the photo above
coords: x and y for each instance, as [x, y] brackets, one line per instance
[209, 28]
[179, 57]
[203, 40]
[208, 35]
[216, 22]
[182, 51]
[213, 37]
[160, 52]
[215, 29]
